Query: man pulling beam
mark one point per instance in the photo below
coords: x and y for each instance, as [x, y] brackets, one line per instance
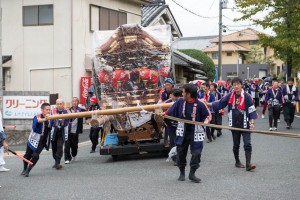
[111, 112]
[241, 114]
[37, 139]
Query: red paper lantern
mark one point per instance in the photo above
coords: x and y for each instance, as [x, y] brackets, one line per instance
[104, 77]
[145, 73]
[164, 71]
[118, 75]
[154, 76]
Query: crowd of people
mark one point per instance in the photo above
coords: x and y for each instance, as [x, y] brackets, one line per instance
[204, 102]
[200, 102]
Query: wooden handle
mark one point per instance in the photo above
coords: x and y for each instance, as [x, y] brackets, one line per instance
[111, 111]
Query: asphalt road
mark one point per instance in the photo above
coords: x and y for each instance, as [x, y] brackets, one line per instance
[93, 176]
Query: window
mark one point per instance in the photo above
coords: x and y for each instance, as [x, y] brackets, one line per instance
[231, 74]
[253, 42]
[37, 15]
[106, 19]
[229, 53]
[278, 70]
[214, 55]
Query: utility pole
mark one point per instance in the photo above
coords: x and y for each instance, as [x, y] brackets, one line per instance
[220, 40]
[289, 60]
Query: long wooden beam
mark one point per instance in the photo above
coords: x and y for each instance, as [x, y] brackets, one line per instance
[111, 111]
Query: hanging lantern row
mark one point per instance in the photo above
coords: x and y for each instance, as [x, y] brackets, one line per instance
[119, 75]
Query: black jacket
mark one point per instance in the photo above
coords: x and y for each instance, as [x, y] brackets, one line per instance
[79, 120]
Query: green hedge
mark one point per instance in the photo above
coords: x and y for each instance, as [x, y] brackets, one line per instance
[208, 64]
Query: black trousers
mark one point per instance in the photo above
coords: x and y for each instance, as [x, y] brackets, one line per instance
[256, 102]
[71, 146]
[274, 112]
[210, 131]
[171, 132]
[218, 117]
[182, 153]
[57, 147]
[236, 137]
[33, 156]
[289, 113]
[94, 136]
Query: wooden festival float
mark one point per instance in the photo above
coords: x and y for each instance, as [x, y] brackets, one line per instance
[130, 66]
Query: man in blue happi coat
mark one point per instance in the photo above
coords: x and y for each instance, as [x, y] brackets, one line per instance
[190, 108]
[274, 100]
[291, 97]
[209, 97]
[37, 140]
[241, 114]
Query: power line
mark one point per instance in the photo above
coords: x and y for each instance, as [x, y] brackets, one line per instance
[240, 25]
[194, 12]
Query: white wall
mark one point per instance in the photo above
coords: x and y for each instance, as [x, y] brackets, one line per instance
[42, 57]
[82, 36]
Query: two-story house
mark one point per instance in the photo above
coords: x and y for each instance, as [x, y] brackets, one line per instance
[243, 56]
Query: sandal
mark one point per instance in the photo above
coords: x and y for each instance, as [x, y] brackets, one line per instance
[252, 166]
[239, 165]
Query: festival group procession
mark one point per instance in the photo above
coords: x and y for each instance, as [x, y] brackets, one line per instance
[197, 101]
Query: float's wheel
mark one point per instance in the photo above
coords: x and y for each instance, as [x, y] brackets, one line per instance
[114, 157]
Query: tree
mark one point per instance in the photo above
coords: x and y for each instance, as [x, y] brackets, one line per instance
[208, 64]
[255, 55]
[283, 17]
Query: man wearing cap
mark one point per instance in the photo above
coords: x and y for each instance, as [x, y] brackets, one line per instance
[165, 93]
[94, 132]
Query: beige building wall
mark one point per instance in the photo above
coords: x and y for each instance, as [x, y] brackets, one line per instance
[225, 59]
[36, 50]
[51, 57]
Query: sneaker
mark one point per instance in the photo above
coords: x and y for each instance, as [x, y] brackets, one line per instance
[270, 129]
[92, 151]
[262, 116]
[274, 129]
[67, 162]
[73, 159]
[3, 169]
[278, 121]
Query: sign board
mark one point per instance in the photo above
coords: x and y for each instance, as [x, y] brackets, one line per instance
[22, 107]
[85, 83]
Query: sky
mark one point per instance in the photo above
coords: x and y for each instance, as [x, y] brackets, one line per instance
[192, 25]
